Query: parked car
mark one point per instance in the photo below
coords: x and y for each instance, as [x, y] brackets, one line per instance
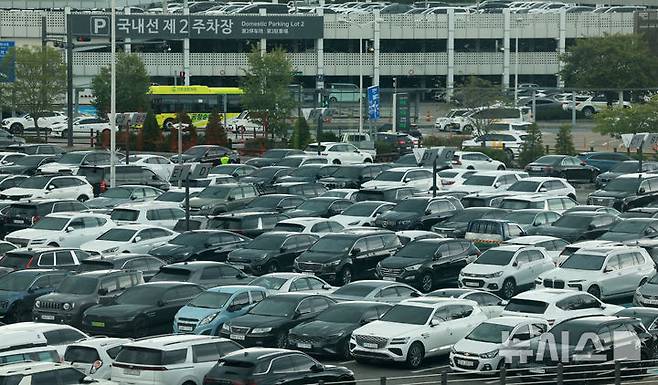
[309, 225]
[124, 194]
[72, 161]
[276, 283]
[94, 356]
[204, 273]
[387, 194]
[27, 165]
[416, 177]
[62, 229]
[577, 226]
[164, 214]
[339, 153]
[362, 213]
[471, 160]
[219, 199]
[273, 202]
[270, 252]
[566, 167]
[603, 161]
[419, 213]
[202, 245]
[246, 224]
[50, 187]
[553, 246]
[488, 233]
[547, 186]
[271, 156]
[622, 168]
[353, 176]
[99, 177]
[528, 218]
[128, 239]
[630, 229]
[491, 304]
[375, 290]
[264, 178]
[207, 154]
[44, 258]
[627, 191]
[144, 263]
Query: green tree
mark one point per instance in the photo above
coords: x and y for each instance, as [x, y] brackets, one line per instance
[40, 80]
[617, 121]
[152, 133]
[615, 62]
[301, 135]
[533, 147]
[564, 141]
[474, 94]
[215, 132]
[132, 86]
[266, 94]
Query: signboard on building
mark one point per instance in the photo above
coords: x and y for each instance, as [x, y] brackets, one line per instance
[175, 27]
[373, 102]
[402, 112]
[7, 62]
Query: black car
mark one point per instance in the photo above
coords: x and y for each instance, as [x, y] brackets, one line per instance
[196, 222]
[22, 215]
[207, 154]
[273, 202]
[529, 218]
[247, 224]
[144, 263]
[647, 315]
[324, 207]
[577, 226]
[199, 245]
[329, 333]
[388, 194]
[268, 323]
[429, 263]
[8, 139]
[236, 171]
[562, 166]
[37, 149]
[419, 213]
[490, 199]
[304, 189]
[631, 229]
[455, 227]
[271, 252]
[272, 156]
[142, 310]
[205, 273]
[623, 168]
[627, 192]
[265, 178]
[275, 367]
[640, 212]
[339, 257]
[399, 142]
[27, 165]
[99, 177]
[353, 175]
[309, 173]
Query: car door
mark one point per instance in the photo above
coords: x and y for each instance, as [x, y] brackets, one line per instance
[388, 295]
[444, 271]
[611, 282]
[64, 259]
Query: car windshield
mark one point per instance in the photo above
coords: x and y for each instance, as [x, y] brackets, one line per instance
[195, 151]
[315, 148]
[140, 295]
[124, 215]
[390, 176]
[495, 257]
[524, 186]
[479, 180]
[210, 300]
[215, 192]
[314, 204]
[329, 244]
[224, 169]
[51, 223]
[573, 221]
[570, 333]
[362, 209]
[348, 172]
[354, 290]
[71, 158]
[265, 201]
[626, 167]
[265, 173]
[341, 315]
[117, 192]
[520, 204]
[490, 332]
[289, 227]
[267, 242]
[520, 217]
[28, 161]
[629, 227]
[418, 250]
[548, 160]
[306, 171]
[583, 262]
[274, 307]
[78, 285]
[270, 283]
[627, 185]
[171, 196]
[35, 182]
[411, 206]
[407, 314]
[190, 239]
[117, 235]
[16, 281]
[518, 305]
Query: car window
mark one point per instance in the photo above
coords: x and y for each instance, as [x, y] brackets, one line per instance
[257, 296]
[64, 258]
[209, 273]
[305, 307]
[484, 299]
[241, 299]
[626, 261]
[613, 263]
[320, 304]
[300, 284]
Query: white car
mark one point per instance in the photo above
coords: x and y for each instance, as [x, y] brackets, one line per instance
[506, 269]
[345, 193]
[94, 356]
[50, 187]
[547, 186]
[309, 225]
[492, 343]
[455, 120]
[82, 127]
[71, 162]
[277, 283]
[415, 329]
[164, 214]
[475, 161]
[242, 124]
[509, 141]
[556, 305]
[362, 213]
[593, 244]
[557, 204]
[418, 177]
[58, 336]
[196, 355]
[339, 153]
[160, 165]
[62, 230]
[454, 178]
[137, 239]
[18, 124]
[8, 158]
[589, 104]
[605, 272]
[491, 304]
[489, 181]
[28, 373]
[552, 245]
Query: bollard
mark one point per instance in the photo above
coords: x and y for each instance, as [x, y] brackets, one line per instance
[382, 381]
[617, 372]
[559, 379]
[444, 377]
[591, 149]
[548, 149]
[614, 149]
[503, 375]
[91, 137]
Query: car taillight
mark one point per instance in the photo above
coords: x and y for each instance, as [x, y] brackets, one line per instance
[29, 263]
[447, 182]
[35, 219]
[103, 185]
[401, 141]
[551, 322]
[95, 366]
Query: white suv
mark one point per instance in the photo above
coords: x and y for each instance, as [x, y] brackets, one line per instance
[170, 360]
[509, 141]
[604, 272]
[51, 187]
[18, 124]
[339, 153]
[82, 126]
[490, 181]
[62, 229]
[506, 269]
[26, 373]
[56, 335]
[558, 204]
[164, 214]
[94, 356]
[415, 329]
[545, 185]
[418, 177]
[129, 239]
[471, 160]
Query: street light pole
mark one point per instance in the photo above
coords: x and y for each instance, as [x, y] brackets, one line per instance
[516, 70]
[113, 99]
[360, 84]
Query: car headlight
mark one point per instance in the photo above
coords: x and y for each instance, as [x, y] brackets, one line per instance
[261, 330]
[491, 354]
[112, 250]
[333, 263]
[37, 304]
[68, 306]
[208, 319]
[494, 275]
[226, 328]
[400, 340]
[205, 207]
[413, 267]
[37, 241]
[577, 281]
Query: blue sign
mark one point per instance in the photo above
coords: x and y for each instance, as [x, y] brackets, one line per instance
[373, 102]
[7, 64]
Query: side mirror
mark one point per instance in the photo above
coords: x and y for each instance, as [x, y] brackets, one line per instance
[31, 289]
[51, 187]
[414, 294]
[160, 303]
[607, 270]
[407, 180]
[436, 257]
[230, 198]
[283, 249]
[87, 380]
[137, 239]
[515, 264]
[496, 185]
[102, 291]
[428, 212]
[132, 198]
[434, 322]
[233, 308]
[368, 320]
[641, 190]
[543, 189]
[489, 160]
[317, 368]
[69, 229]
[327, 287]
[241, 275]
[355, 251]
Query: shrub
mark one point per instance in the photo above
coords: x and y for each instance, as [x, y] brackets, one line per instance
[151, 132]
[215, 132]
[301, 135]
[533, 147]
[564, 141]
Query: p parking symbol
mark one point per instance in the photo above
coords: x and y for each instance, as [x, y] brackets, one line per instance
[100, 25]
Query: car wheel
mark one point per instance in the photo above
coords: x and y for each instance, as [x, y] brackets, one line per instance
[467, 129]
[333, 100]
[272, 267]
[426, 283]
[83, 198]
[415, 355]
[588, 112]
[345, 276]
[65, 133]
[168, 124]
[345, 350]
[16, 128]
[336, 161]
[282, 340]
[501, 167]
[367, 160]
[595, 291]
[642, 282]
[509, 288]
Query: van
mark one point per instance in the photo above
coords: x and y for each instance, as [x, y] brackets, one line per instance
[343, 93]
[488, 233]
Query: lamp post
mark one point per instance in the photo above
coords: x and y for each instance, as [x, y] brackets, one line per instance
[113, 99]
[516, 63]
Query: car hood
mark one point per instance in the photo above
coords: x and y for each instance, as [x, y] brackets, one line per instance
[185, 157]
[57, 167]
[257, 321]
[475, 347]
[14, 169]
[248, 255]
[62, 297]
[477, 268]
[105, 203]
[261, 162]
[381, 184]
[317, 257]
[398, 216]
[115, 311]
[297, 213]
[33, 234]
[610, 194]
[567, 274]
[618, 237]
[195, 312]
[322, 328]
[169, 250]
[99, 246]
[346, 220]
[198, 202]
[21, 191]
[400, 262]
[389, 329]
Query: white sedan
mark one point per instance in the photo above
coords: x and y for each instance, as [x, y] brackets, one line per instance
[62, 229]
[362, 213]
[160, 165]
[339, 153]
[137, 239]
[418, 177]
[277, 283]
[82, 127]
[471, 160]
[452, 178]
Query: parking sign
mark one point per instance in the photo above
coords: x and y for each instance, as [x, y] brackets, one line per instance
[373, 102]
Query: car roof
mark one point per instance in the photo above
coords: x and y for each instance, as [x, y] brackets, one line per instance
[372, 283]
[193, 265]
[33, 326]
[285, 275]
[531, 239]
[546, 295]
[638, 175]
[234, 288]
[404, 169]
[255, 354]
[305, 221]
[607, 249]
[30, 367]
[541, 178]
[99, 273]
[76, 214]
[170, 342]
[101, 342]
[434, 302]
[148, 205]
[139, 226]
[513, 321]
[513, 248]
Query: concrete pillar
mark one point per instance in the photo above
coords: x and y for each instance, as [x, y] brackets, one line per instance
[562, 44]
[263, 42]
[376, 48]
[450, 50]
[506, 48]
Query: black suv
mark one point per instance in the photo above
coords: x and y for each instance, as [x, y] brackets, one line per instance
[429, 263]
[577, 226]
[99, 177]
[353, 175]
[22, 215]
[271, 252]
[338, 257]
[419, 213]
[627, 192]
[79, 292]
[248, 224]
[388, 194]
[398, 141]
[204, 245]
[265, 178]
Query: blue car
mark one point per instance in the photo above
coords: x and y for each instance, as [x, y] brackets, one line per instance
[19, 289]
[206, 313]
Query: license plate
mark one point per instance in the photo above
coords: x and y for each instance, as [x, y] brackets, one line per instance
[131, 372]
[98, 324]
[185, 328]
[370, 346]
[18, 221]
[388, 278]
[651, 302]
[239, 337]
[304, 346]
[48, 317]
[464, 363]
[471, 284]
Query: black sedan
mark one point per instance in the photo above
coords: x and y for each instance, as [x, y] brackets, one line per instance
[271, 252]
[562, 166]
[273, 202]
[329, 333]
[275, 367]
[577, 226]
[204, 245]
[266, 177]
[272, 156]
[141, 310]
[268, 323]
[419, 213]
[455, 227]
[324, 207]
[631, 229]
[27, 165]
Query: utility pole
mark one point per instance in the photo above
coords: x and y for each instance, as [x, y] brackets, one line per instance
[113, 98]
[69, 80]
